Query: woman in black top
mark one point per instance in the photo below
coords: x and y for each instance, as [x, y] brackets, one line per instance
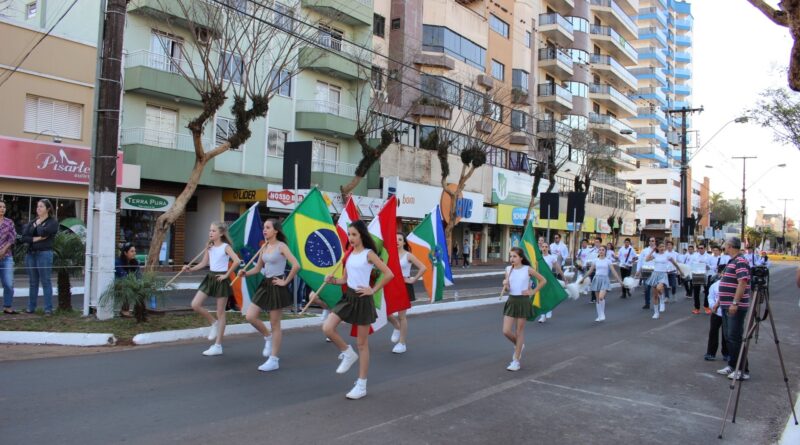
[39, 235]
[125, 265]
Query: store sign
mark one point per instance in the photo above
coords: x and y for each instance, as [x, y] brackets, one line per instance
[244, 196]
[514, 188]
[47, 161]
[489, 215]
[602, 226]
[279, 198]
[142, 201]
[417, 200]
[629, 227]
[513, 216]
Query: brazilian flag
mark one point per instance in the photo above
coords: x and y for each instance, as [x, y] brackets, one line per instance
[312, 238]
[552, 294]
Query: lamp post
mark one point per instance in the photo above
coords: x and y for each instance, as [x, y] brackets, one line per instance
[783, 233]
[684, 165]
[744, 187]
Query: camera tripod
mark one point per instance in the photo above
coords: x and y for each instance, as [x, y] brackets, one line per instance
[754, 318]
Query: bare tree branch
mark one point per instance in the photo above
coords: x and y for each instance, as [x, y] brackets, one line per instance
[778, 16]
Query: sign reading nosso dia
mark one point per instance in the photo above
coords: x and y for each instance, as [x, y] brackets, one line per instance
[142, 201]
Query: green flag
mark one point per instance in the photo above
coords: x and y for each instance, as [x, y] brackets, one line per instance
[552, 293]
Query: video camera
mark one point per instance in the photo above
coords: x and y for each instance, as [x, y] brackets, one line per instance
[760, 274]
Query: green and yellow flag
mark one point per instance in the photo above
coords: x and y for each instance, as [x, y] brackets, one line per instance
[552, 293]
[313, 240]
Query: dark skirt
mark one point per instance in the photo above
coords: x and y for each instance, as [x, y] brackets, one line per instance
[355, 309]
[270, 297]
[410, 289]
[518, 306]
[213, 288]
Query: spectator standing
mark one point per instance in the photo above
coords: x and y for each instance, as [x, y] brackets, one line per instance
[39, 236]
[734, 299]
[8, 235]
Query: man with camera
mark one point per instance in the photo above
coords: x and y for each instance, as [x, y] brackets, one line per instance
[734, 299]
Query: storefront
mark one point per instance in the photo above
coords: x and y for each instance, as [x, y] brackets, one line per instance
[281, 201]
[137, 217]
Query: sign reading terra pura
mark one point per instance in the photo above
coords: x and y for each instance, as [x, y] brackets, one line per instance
[143, 201]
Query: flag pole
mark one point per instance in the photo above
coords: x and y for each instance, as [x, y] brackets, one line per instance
[314, 295]
[249, 263]
[190, 262]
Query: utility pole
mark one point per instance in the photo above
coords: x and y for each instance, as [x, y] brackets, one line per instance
[783, 235]
[684, 166]
[102, 212]
[744, 190]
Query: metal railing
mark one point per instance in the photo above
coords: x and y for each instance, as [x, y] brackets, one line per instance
[623, 16]
[551, 89]
[555, 54]
[615, 123]
[158, 138]
[644, 33]
[336, 43]
[657, 53]
[162, 62]
[555, 19]
[620, 70]
[657, 73]
[324, 106]
[618, 39]
[336, 167]
[614, 93]
[611, 180]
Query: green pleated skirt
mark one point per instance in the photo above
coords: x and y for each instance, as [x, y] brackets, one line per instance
[214, 288]
[355, 309]
[270, 297]
[518, 306]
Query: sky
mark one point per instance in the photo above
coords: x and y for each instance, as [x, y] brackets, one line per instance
[737, 53]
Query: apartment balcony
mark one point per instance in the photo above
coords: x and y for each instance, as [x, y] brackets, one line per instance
[172, 12]
[684, 24]
[648, 113]
[614, 70]
[159, 139]
[556, 28]
[651, 53]
[614, 180]
[652, 93]
[555, 97]
[677, 121]
[650, 75]
[331, 174]
[552, 129]
[652, 134]
[612, 128]
[682, 8]
[630, 7]
[346, 61]
[556, 62]
[158, 75]
[683, 57]
[654, 14]
[331, 118]
[353, 12]
[614, 44]
[649, 152]
[624, 161]
[683, 90]
[653, 33]
[609, 96]
[683, 41]
[563, 7]
[683, 73]
[610, 11]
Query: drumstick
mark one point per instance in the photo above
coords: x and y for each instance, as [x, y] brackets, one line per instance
[316, 293]
[181, 271]
[250, 262]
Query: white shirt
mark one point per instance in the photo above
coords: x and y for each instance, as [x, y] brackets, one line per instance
[590, 255]
[626, 255]
[519, 280]
[550, 260]
[645, 253]
[405, 265]
[674, 255]
[602, 266]
[217, 258]
[713, 297]
[358, 269]
[560, 249]
[660, 262]
[715, 261]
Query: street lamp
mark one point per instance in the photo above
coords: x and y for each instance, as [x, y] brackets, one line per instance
[56, 137]
[744, 187]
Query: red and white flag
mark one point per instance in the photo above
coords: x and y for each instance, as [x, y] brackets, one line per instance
[348, 216]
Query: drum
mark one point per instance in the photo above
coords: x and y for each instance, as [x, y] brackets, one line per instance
[699, 274]
[647, 270]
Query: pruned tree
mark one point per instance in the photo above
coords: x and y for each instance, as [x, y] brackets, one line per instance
[779, 110]
[787, 14]
[552, 155]
[234, 56]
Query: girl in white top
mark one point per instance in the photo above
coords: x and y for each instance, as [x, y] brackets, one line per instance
[216, 283]
[518, 307]
[602, 268]
[552, 262]
[400, 322]
[272, 294]
[659, 280]
[357, 306]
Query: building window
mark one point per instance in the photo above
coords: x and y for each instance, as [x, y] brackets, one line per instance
[331, 37]
[324, 156]
[231, 67]
[519, 120]
[498, 70]
[518, 161]
[497, 157]
[166, 52]
[276, 141]
[676, 183]
[528, 39]
[472, 101]
[656, 181]
[498, 25]
[495, 111]
[282, 81]
[378, 25]
[160, 127]
[328, 98]
[675, 203]
[30, 10]
[53, 117]
[579, 89]
[442, 40]
[395, 23]
[654, 222]
[377, 78]
[225, 128]
[519, 79]
[441, 88]
[283, 17]
[655, 201]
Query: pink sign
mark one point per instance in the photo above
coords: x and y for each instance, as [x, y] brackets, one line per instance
[47, 161]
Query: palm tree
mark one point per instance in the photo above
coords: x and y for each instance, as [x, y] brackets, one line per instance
[68, 260]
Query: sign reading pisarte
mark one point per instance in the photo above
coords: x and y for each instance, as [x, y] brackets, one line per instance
[514, 188]
[144, 201]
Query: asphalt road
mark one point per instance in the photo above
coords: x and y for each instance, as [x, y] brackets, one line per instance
[629, 380]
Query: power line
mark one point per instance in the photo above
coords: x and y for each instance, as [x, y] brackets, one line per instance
[30, 51]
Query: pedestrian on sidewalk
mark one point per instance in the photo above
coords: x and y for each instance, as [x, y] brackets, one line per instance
[715, 321]
[454, 255]
[601, 268]
[8, 236]
[356, 306]
[272, 295]
[216, 283]
[125, 265]
[518, 307]
[400, 322]
[626, 256]
[734, 299]
[552, 261]
[39, 236]
[465, 254]
[644, 269]
[659, 280]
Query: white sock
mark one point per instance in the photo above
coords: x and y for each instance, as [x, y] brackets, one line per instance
[268, 337]
[603, 309]
[362, 382]
[599, 309]
[325, 313]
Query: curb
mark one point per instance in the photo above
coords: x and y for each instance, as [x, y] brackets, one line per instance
[56, 338]
[791, 434]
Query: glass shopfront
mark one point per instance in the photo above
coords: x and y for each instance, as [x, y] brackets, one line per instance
[495, 242]
[136, 227]
[22, 208]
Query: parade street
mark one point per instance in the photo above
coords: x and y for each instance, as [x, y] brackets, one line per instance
[628, 380]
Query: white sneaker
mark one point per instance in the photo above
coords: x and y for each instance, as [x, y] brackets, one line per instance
[738, 375]
[395, 336]
[549, 315]
[661, 306]
[213, 331]
[399, 348]
[359, 390]
[348, 357]
[655, 315]
[327, 340]
[267, 351]
[215, 349]
[542, 318]
[513, 366]
[271, 364]
[725, 371]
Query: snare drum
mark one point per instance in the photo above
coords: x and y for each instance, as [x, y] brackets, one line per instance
[699, 274]
[647, 270]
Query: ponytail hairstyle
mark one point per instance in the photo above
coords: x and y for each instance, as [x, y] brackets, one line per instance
[280, 236]
[521, 254]
[223, 232]
[49, 206]
[366, 238]
[405, 241]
